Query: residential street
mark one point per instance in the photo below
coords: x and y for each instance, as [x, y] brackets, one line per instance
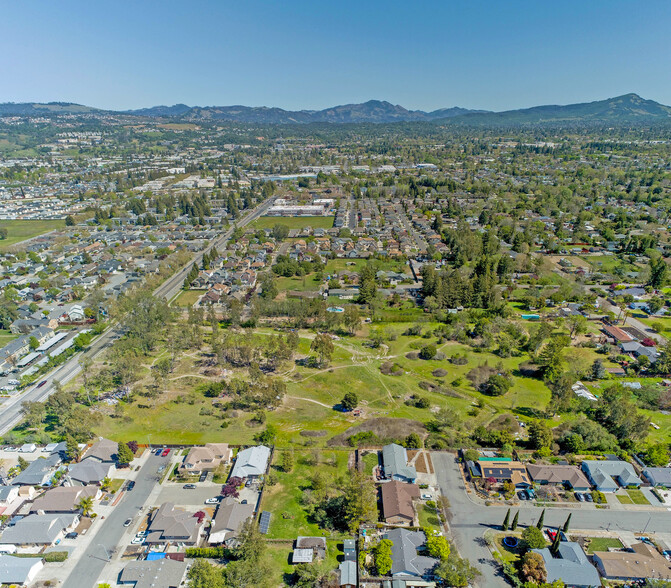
[469, 520]
[110, 533]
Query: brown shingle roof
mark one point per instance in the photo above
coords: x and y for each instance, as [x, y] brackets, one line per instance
[397, 499]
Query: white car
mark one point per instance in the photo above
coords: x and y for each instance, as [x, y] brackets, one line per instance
[137, 541]
[426, 496]
[212, 501]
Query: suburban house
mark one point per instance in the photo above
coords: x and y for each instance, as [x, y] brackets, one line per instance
[19, 571]
[103, 450]
[559, 475]
[307, 549]
[347, 574]
[571, 566]
[406, 562]
[206, 459]
[504, 470]
[397, 506]
[228, 520]
[8, 494]
[90, 471]
[166, 573]
[641, 563]
[64, 499]
[609, 475]
[658, 476]
[395, 464]
[39, 472]
[251, 463]
[43, 529]
[170, 524]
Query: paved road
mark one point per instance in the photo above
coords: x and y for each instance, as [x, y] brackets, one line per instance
[11, 409]
[469, 521]
[110, 535]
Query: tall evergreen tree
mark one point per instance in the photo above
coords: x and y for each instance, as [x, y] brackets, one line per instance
[504, 526]
[539, 524]
[567, 523]
[513, 527]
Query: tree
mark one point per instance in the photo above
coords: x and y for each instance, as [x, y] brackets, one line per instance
[533, 538]
[360, 500]
[657, 455]
[322, 345]
[85, 504]
[33, 413]
[352, 319]
[203, 574]
[382, 554]
[428, 352]
[71, 449]
[105, 483]
[533, 568]
[540, 435]
[287, 461]
[598, 371]
[69, 221]
[513, 527]
[124, 454]
[541, 520]
[350, 401]
[266, 437]
[555, 542]
[496, 385]
[437, 546]
[577, 325]
[504, 526]
[456, 571]
[413, 441]
[133, 446]
[251, 545]
[33, 343]
[659, 272]
[367, 284]
[22, 463]
[565, 528]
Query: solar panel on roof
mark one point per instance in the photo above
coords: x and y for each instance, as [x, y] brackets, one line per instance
[264, 522]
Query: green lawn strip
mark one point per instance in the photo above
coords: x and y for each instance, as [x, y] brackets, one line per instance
[428, 517]
[370, 461]
[603, 544]
[624, 499]
[637, 497]
[20, 230]
[297, 222]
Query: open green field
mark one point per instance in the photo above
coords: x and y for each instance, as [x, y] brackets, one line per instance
[20, 230]
[284, 498]
[609, 263]
[187, 297]
[301, 284]
[6, 336]
[294, 222]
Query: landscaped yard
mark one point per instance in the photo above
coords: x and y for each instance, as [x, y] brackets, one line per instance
[603, 544]
[428, 517]
[637, 497]
[294, 222]
[20, 230]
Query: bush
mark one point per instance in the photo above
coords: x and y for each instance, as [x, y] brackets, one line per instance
[533, 538]
[56, 556]
[428, 352]
[205, 552]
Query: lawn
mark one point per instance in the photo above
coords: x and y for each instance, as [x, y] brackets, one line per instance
[428, 517]
[370, 461]
[603, 544]
[637, 497]
[6, 336]
[508, 554]
[294, 222]
[187, 297]
[20, 230]
[283, 499]
[301, 284]
[280, 556]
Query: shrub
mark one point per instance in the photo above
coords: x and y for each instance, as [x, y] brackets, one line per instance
[56, 556]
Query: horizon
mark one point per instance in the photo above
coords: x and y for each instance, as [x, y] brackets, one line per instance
[301, 56]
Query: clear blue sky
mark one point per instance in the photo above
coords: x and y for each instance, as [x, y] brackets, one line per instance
[497, 55]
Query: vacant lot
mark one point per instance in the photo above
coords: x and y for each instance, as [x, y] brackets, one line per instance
[20, 230]
[187, 297]
[294, 222]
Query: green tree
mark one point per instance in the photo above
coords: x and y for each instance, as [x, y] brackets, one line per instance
[287, 461]
[352, 319]
[124, 454]
[541, 520]
[533, 568]
[202, 574]
[33, 343]
[69, 221]
[382, 555]
[456, 571]
[513, 527]
[540, 435]
[360, 500]
[565, 528]
[504, 526]
[22, 463]
[33, 413]
[85, 504]
[659, 272]
[437, 546]
[350, 401]
[413, 441]
[533, 538]
[598, 371]
[322, 345]
[657, 454]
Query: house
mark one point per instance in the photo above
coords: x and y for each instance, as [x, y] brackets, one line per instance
[8, 494]
[228, 520]
[206, 459]
[616, 333]
[103, 451]
[170, 524]
[504, 470]
[64, 499]
[90, 471]
[571, 566]
[19, 571]
[166, 573]
[406, 562]
[347, 574]
[395, 464]
[307, 549]
[559, 475]
[349, 547]
[39, 472]
[658, 476]
[397, 505]
[609, 475]
[44, 529]
[642, 562]
[251, 462]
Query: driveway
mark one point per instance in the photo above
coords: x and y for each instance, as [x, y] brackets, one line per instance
[111, 534]
[469, 520]
[179, 496]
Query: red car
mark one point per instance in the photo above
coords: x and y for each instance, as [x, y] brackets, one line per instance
[42, 383]
[165, 452]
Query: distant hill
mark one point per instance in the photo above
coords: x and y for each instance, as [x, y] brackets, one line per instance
[627, 109]
[630, 108]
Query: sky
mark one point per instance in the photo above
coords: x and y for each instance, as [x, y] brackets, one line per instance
[300, 54]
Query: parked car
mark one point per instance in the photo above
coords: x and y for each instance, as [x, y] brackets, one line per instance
[588, 497]
[203, 477]
[212, 501]
[243, 501]
[42, 383]
[72, 535]
[131, 485]
[137, 541]
[127, 522]
[189, 486]
[426, 496]
[522, 495]
[579, 497]
[158, 451]
[165, 452]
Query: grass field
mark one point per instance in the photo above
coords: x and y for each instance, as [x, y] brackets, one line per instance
[20, 230]
[6, 336]
[637, 497]
[294, 222]
[187, 297]
[603, 544]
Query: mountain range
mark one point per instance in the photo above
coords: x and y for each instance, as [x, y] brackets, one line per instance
[626, 109]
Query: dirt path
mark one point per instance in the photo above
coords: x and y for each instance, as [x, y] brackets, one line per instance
[310, 400]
